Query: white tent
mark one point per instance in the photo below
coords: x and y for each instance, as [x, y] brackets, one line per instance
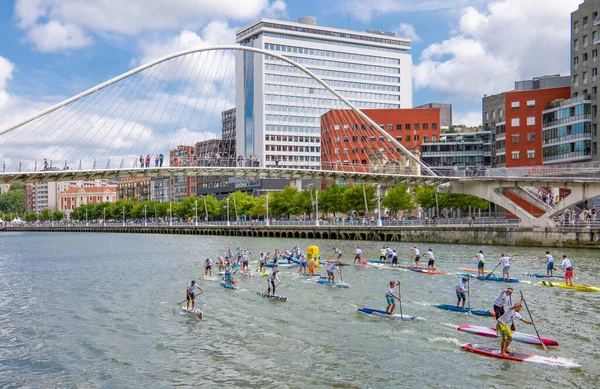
[17, 221]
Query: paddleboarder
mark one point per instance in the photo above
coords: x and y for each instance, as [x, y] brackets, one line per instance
[567, 264]
[480, 263]
[303, 264]
[503, 299]
[208, 268]
[390, 295]
[430, 263]
[415, 249]
[382, 254]
[357, 255]
[505, 260]
[502, 325]
[461, 291]
[549, 259]
[330, 272]
[311, 266]
[338, 254]
[189, 294]
[271, 281]
[394, 258]
[228, 279]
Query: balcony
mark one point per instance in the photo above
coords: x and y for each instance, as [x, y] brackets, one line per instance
[500, 151]
[569, 120]
[575, 156]
[568, 138]
[597, 21]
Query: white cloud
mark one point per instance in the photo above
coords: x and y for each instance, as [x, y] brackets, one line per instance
[365, 10]
[55, 36]
[511, 40]
[470, 119]
[406, 30]
[132, 17]
[6, 70]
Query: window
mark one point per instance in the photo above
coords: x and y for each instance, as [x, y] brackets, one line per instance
[398, 126]
[416, 126]
[531, 120]
[487, 116]
[399, 138]
[530, 103]
[515, 104]
[531, 137]
[336, 127]
[390, 127]
[576, 63]
[336, 151]
[575, 81]
[425, 126]
[345, 138]
[500, 113]
[408, 138]
[433, 138]
[493, 115]
[595, 55]
[515, 122]
[345, 127]
[416, 138]
[576, 26]
[434, 126]
[516, 138]
[515, 154]
[424, 138]
[530, 154]
[575, 44]
[585, 41]
[407, 126]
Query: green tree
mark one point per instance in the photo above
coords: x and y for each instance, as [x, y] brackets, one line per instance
[425, 196]
[354, 199]
[398, 198]
[243, 202]
[285, 202]
[13, 201]
[331, 200]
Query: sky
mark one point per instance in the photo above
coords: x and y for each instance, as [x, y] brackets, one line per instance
[461, 49]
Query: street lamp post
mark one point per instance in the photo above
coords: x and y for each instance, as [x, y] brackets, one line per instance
[86, 218]
[123, 213]
[145, 216]
[104, 217]
[312, 202]
[170, 213]
[196, 209]
[379, 222]
[267, 216]
[205, 210]
[237, 219]
[317, 208]
[227, 206]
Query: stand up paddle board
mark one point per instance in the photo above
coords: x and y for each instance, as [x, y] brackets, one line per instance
[494, 352]
[518, 336]
[540, 275]
[333, 284]
[583, 288]
[425, 271]
[454, 308]
[272, 296]
[379, 313]
[194, 311]
[491, 278]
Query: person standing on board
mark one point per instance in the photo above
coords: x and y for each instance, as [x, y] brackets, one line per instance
[208, 268]
[311, 266]
[382, 254]
[390, 254]
[567, 264]
[303, 264]
[504, 329]
[500, 301]
[189, 294]
[549, 264]
[390, 295]
[338, 253]
[394, 258]
[271, 282]
[431, 262]
[505, 260]
[480, 263]
[417, 256]
[228, 278]
[357, 255]
[330, 272]
[461, 290]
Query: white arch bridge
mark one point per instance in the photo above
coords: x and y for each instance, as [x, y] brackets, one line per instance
[159, 106]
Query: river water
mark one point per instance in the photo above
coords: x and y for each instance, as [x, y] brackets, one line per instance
[86, 310]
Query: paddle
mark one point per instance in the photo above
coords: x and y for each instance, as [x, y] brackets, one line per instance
[400, 298]
[469, 292]
[341, 277]
[488, 276]
[532, 322]
[512, 326]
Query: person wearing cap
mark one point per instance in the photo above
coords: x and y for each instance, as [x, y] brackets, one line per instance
[480, 263]
[330, 272]
[208, 268]
[503, 328]
[382, 254]
[189, 294]
[417, 256]
[431, 262]
[461, 290]
[390, 295]
[567, 264]
[503, 299]
[271, 281]
[358, 255]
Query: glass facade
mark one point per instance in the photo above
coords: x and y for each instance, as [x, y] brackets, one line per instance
[249, 102]
[567, 131]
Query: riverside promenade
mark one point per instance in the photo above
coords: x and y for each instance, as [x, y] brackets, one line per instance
[513, 235]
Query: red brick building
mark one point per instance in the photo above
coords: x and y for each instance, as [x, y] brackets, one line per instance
[75, 197]
[524, 124]
[348, 142]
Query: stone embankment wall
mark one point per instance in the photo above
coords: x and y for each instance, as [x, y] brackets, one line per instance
[479, 235]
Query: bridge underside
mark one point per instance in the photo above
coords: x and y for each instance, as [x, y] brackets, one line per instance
[494, 191]
[292, 174]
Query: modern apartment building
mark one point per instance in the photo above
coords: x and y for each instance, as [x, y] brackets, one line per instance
[277, 103]
[160, 189]
[445, 113]
[585, 43]
[472, 149]
[134, 188]
[348, 142]
[515, 119]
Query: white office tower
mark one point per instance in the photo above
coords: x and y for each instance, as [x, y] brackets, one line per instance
[279, 108]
